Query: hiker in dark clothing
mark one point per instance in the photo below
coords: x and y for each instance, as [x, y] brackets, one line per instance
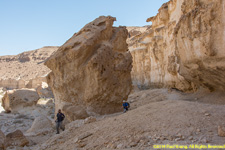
[60, 117]
[126, 105]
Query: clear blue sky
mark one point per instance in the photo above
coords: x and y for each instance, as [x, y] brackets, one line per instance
[31, 24]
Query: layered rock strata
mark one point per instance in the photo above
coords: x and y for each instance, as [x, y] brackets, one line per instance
[25, 70]
[184, 47]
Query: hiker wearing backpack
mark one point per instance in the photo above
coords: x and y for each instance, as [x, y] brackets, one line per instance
[126, 105]
[60, 117]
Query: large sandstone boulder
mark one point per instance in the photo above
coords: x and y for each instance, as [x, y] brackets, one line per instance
[184, 47]
[2, 139]
[18, 100]
[91, 71]
[41, 125]
[16, 138]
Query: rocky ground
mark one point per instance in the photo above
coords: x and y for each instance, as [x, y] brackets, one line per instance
[11, 122]
[158, 116]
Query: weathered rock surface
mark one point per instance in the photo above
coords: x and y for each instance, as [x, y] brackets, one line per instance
[91, 71]
[2, 139]
[44, 91]
[12, 83]
[221, 131]
[20, 83]
[16, 139]
[181, 121]
[35, 82]
[184, 47]
[134, 31]
[26, 69]
[18, 100]
[41, 125]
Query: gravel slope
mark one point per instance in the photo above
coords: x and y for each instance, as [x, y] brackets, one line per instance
[156, 117]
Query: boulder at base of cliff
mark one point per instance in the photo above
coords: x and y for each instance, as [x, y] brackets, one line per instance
[19, 100]
[91, 71]
[41, 125]
[16, 139]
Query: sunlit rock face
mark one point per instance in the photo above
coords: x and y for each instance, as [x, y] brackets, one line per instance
[25, 70]
[184, 47]
[91, 71]
[20, 100]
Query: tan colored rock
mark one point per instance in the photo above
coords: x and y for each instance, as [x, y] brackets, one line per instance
[41, 125]
[16, 139]
[73, 112]
[91, 71]
[183, 49]
[134, 31]
[18, 100]
[44, 91]
[2, 139]
[89, 120]
[12, 83]
[25, 70]
[36, 82]
[200, 44]
[221, 131]
[25, 66]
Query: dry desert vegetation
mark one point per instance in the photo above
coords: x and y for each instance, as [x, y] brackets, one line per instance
[171, 72]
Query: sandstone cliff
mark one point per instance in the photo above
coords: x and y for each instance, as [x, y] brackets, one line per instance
[184, 47]
[91, 71]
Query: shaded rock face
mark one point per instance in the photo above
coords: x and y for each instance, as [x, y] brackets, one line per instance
[41, 125]
[16, 139]
[183, 49]
[44, 92]
[18, 100]
[91, 71]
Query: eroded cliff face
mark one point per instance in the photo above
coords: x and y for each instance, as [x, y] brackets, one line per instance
[91, 71]
[25, 70]
[184, 47]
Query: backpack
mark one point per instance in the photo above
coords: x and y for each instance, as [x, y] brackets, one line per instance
[63, 116]
[128, 105]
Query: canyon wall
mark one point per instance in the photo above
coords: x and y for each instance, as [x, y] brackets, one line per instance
[25, 70]
[20, 83]
[91, 71]
[183, 48]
